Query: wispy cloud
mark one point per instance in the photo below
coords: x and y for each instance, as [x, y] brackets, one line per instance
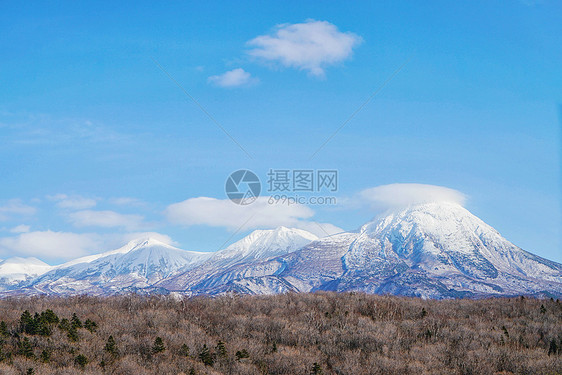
[126, 201]
[260, 214]
[40, 129]
[49, 245]
[20, 229]
[73, 202]
[311, 46]
[233, 78]
[401, 195]
[15, 207]
[106, 219]
[61, 246]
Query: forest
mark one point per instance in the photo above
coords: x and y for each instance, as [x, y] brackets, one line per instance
[315, 333]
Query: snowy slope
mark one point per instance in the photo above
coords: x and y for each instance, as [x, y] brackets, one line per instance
[139, 264]
[14, 271]
[263, 244]
[238, 260]
[446, 247]
[433, 250]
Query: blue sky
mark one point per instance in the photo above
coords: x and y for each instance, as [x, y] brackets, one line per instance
[98, 144]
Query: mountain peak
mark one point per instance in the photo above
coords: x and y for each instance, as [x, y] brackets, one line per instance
[431, 249]
[438, 218]
[273, 236]
[139, 264]
[19, 269]
[133, 245]
[19, 260]
[146, 241]
[442, 242]
[266, 243]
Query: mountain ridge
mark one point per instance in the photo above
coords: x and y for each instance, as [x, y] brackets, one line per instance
[15, 271]
[430, 250]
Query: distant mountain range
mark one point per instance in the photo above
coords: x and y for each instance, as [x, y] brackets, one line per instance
[432, 250]
[18, 271]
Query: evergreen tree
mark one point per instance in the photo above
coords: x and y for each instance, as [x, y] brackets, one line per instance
[64, 324]
[192, 371]
[505, 331]
[25, 348]
[111, 347]
[543, 309]
[316, 369]
[206, 357]
[45, 356]
[41, 326]
[158, 346]
[75, 322]
[4, 329]
[90, 325]
[274, 349]
[221, 349]
[27, 323]
[30, 371]
[81, 361]
[49, 317]
[73, 334]
[36, 321]
[553, 348]
[242, 354]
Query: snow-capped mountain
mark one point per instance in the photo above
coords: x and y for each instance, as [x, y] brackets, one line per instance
[234, 262]
[442, 250]
[139, 264]
[16, 271]
[262, 244]
[435, 250]
[432, 250]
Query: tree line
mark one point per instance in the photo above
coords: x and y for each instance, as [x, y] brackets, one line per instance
[318, 333]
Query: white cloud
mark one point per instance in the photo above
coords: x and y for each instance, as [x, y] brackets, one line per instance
[74, 202]
[15, 207]
[126, 201]
[400, 195]
[37, 128]
[260, 214]
[105, 219]
[48, 245]
[224, 213]
[233, 78]
[20, 229]
[311, 46]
